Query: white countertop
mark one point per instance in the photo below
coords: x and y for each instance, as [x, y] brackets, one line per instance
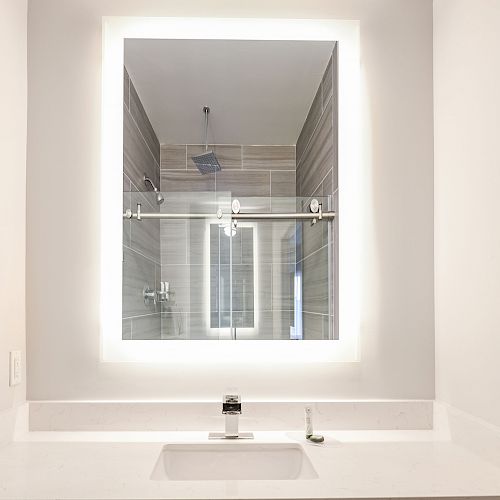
[350, 464]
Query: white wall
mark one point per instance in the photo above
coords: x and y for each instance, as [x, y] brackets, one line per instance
[467, 204]
[13, 81]
[397, 344]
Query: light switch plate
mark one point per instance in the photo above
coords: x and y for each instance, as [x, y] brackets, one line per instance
[15, 368]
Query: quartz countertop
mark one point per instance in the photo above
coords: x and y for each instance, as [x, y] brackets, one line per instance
[350, 464]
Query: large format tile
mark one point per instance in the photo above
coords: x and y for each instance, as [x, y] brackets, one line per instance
[268, 157]
[187, 286]
[126, 88]
[315, 279]
[186, 181]
[312, 120]
[264, 290]
[254, 204]
[276, 241]
[327, 82]
[174, 244]
[127, 329]
[173, 157]
[141, 119]
[138, 271]
[314, 236]
[228, 155]
[315, 326]
[244, 183]
[275, 325]
[137, 158]
[146, 327]
[283, 286]
[319, 156]
[127, 203]
[145, 238]
[174, 325]
[283, 183]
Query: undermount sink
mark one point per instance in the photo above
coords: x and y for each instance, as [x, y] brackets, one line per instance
[232, 461]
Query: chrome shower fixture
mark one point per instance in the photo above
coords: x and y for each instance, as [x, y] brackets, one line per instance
[206, 162]
[159, 197]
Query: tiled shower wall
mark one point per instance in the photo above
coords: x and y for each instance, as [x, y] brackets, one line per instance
[260, 172]
[317, 175]
[141, 241]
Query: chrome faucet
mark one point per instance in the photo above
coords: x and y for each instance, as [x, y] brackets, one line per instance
[231, 409]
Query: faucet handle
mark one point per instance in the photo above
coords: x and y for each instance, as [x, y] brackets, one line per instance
[231, 404]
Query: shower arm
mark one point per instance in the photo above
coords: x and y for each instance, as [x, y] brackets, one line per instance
[147, 179]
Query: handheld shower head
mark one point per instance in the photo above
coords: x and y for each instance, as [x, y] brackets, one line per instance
[159, 197]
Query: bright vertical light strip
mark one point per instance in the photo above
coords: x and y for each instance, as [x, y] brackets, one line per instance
[115, 31]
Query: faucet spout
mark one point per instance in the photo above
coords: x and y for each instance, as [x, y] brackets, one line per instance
[231, 409]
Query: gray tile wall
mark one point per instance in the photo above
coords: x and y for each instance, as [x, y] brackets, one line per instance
[141, 240]
[317, 175]
[252, 174]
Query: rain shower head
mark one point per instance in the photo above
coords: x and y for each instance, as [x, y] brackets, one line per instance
[206, 162]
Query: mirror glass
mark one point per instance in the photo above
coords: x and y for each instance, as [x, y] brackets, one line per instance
[229, 160]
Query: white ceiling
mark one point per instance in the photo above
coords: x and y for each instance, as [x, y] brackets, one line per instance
[259, 92]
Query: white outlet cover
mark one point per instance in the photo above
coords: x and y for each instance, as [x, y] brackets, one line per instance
[15, 368]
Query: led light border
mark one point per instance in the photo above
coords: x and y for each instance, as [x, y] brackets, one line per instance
[113, 348]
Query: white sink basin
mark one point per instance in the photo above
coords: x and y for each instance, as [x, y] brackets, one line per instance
[232, 461]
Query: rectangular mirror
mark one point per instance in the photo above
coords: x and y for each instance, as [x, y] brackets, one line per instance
[223, 233]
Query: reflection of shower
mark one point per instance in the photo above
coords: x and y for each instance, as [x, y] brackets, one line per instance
[159, 197]
[207, 162]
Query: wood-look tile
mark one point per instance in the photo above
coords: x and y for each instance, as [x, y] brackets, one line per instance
[268, 157]
[265, 287]
[146, 327]
[186, 285]
[315, 280]
[126, 91]
[313, 117]
[174, 325]
[276, 241]
[283, 286]
[137, 158]
[127, 203]
[174, 245]
[196, 241]
[275, 325]
[314, 326]
[145, 237]
[138, 271]
[254, 204]
[126, 329]
[228, 155]
[327, 82]
[283, 183]
[319, 157]
[173, 156]
[244, 183]
[197, 327]
[142, 120]
[186, 181]
[314, 236]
